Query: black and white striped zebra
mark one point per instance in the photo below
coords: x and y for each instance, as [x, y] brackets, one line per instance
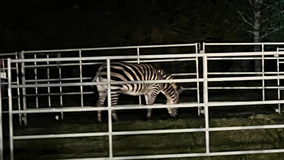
[135, 72]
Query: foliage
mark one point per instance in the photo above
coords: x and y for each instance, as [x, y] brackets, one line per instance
[50, 24]
[263, 18]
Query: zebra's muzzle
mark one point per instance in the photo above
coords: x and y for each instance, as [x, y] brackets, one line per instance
[172, 112]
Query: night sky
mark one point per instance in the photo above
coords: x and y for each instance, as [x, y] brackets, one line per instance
[53, 24]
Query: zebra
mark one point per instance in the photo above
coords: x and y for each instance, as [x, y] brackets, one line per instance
[135, 72]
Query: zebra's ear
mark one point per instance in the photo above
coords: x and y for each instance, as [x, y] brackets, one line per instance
[180, 89]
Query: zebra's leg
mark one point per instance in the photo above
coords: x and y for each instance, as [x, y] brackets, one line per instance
[114, 99]
[149, 113]
[149, 110]
[114, 116]
[150, 99]
[99, 112]
[100, 103]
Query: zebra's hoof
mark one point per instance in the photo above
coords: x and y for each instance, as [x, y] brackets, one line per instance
[116, 120]
[174, 117]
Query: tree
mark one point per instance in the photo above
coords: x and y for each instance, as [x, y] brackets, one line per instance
[263, 19]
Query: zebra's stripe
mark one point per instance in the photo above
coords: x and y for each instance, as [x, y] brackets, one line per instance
[135, 72]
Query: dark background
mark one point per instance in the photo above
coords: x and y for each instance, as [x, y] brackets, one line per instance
[52, 24]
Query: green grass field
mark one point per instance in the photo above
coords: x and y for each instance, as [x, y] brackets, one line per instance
[130, 145]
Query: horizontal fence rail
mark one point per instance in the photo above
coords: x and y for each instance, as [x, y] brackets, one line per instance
[175, 56]
[130, 107]
[114, 48]
[153, 81]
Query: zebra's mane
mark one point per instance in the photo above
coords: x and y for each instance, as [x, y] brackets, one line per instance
[167, 76]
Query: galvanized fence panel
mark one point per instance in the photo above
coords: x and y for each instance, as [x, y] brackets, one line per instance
[205, 79]
[85, 62]
[3, 93]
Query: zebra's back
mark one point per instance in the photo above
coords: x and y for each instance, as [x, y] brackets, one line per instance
[129, 72]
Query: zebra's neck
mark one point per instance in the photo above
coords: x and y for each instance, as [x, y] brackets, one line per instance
[170, 91]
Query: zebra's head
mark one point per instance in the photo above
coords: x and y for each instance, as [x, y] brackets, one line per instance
[173, 111]
[171, 91]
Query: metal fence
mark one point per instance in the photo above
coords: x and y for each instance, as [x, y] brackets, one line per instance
[3, 91]
[63, 68]
[35, 86]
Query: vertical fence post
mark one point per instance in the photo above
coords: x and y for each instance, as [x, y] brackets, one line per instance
[1, 108]
[48, 82]
[60, 82]
[202, 51]
[278, 81]
[262, 70]
[81, 79]
[109, 110]
[18, 89]
[23, 115]
[138, 54]
[138, 61]
[205, 101]
[11, 138]
[36, 88]
[197, 74]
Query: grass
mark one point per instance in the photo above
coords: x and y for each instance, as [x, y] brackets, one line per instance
[62, 148]
[148, 144]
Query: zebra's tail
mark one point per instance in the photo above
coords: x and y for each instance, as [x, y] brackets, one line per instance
[98, 73]
[95, 77]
